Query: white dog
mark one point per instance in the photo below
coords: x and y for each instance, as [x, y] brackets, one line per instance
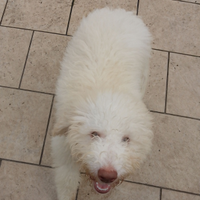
[102, 125]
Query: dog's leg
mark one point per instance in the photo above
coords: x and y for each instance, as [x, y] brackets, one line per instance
[66, 182]
[66, 170]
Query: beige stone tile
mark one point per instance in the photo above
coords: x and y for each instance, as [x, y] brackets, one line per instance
[184, 86]
[43, 64]
[156, 89]
[2, 6]
[21, 181]
[175, 158]
[51, 15]
[125, 191]
[172, 195]
[23, 117]
[174, 25]
[11, 59]
[83, 7]
[46, 158]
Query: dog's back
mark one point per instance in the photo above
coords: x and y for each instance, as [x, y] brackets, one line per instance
[110, 50]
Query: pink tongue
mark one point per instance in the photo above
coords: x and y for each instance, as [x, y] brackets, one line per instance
[101, 188]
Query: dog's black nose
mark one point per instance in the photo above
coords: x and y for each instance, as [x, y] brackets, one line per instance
[107, 175]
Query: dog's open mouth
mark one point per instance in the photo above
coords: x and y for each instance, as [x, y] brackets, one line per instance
[102, 187]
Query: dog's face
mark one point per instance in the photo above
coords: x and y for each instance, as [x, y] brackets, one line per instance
[110, 136]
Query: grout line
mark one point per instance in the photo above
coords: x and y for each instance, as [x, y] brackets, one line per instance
[0, 162]
[145, 184]
[183, 116]
[3, 12]
[154, 111]
[160, 187]
[175, 115]
[77, 194]
[26, 163]
[47, 166]
[26, 29]
[69, 16]
[167, 82]
[26, 60]
[47, 128]
[26, 90]
[187, 2]
[185, 54]
[138, 5]
[160, 193]
[159, 50]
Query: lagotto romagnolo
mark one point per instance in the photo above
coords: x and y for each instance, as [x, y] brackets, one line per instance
[102, 127]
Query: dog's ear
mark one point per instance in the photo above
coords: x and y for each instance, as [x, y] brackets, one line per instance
[60, 131]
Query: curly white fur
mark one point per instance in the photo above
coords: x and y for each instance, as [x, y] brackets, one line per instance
[101, 85]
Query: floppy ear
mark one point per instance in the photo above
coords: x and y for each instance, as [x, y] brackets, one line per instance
[59, 131]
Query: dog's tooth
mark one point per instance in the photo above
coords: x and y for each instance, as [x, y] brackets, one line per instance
[102, 189]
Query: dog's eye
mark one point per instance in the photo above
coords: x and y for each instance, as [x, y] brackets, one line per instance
[125, 139]
[95, 134]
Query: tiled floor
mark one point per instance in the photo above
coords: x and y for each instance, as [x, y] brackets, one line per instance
[33, 36]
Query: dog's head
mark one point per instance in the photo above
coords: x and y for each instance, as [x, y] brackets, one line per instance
[109, 135]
